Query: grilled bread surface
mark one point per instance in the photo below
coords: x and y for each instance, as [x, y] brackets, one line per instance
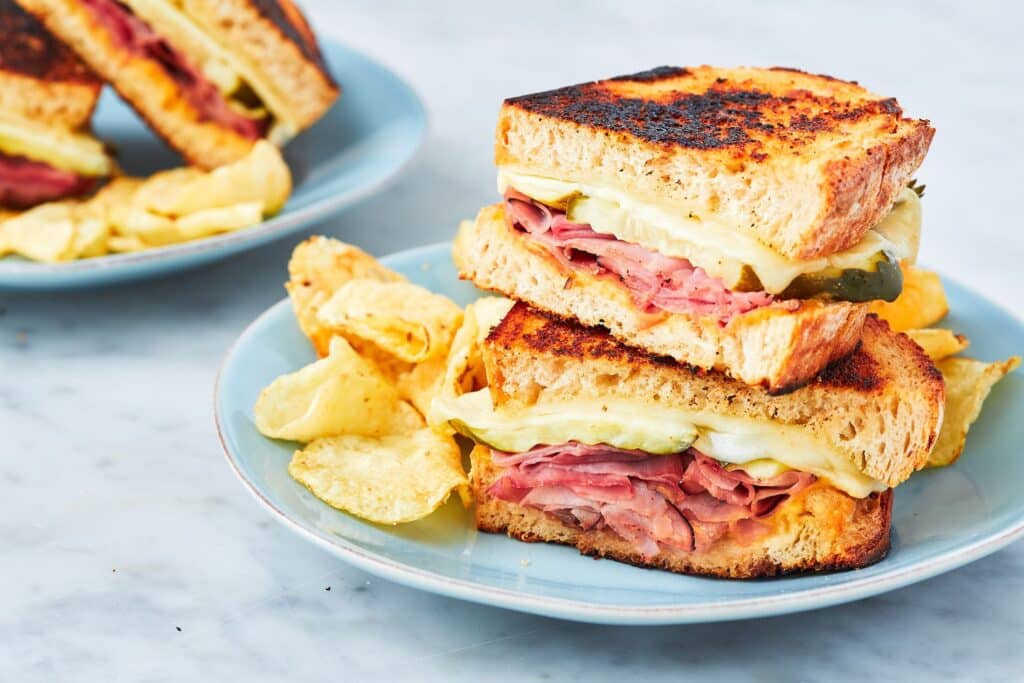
[818, 529]
[42, 79]
[881, 407]
[805, 163]
[273, 38]
[777, 347]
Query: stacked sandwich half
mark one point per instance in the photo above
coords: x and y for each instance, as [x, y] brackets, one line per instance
[690, 379]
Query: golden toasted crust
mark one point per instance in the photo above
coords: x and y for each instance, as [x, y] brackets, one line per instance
[881, 406]
[819, 529]
[42, 78]
[778, 347]
[153, 93]
[805, 163]
[274, 35]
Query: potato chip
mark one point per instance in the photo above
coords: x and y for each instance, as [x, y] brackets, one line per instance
[388, 480]
[319, 266]
[939, 343]
[224, 219]
[90, 238]
[155, 190]
[921, 304]
[340, 394]
[421, 382]
[260, 176]
[150, 228]
[118, 191]
[45, 233]
[124, 244]
[968, 383]
[406, 320]
[464, 368]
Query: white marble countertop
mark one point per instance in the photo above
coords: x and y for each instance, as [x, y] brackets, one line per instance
[129, 552]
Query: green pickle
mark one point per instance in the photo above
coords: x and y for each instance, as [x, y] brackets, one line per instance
[881, 279]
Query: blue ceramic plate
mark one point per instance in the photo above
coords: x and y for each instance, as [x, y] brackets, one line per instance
[370, 133]
[942, 519]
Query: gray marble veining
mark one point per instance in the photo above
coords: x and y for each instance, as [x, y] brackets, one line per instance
[128, 552]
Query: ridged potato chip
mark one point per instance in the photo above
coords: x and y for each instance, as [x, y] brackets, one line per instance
[222, 219]
[939, 343]
[968, 383]
[922, 303]
[388, 480]
[319, 266]
[260, 176]
[340, 394]
[406, 320]
[45, 233]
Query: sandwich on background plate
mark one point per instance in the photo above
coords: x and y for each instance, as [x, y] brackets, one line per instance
[209, 76]
[47, 97]
[584, 441]
[734, 219]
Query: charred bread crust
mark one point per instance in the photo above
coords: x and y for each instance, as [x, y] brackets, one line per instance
[276, 35]
[143, 84]
[779, 348]
[820, 529]
[43, 79]
[805, 163]
[881, 407]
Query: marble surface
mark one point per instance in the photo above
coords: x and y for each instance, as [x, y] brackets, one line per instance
[129, 552]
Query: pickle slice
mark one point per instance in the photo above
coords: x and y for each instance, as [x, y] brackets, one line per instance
[881, 280]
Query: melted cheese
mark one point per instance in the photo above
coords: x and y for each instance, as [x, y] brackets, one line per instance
[767, 447]
[58, 147]
[226, 69]
[720, 249]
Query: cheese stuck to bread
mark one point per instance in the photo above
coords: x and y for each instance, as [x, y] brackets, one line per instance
[653, 427]
[58, 147]
[722, 250]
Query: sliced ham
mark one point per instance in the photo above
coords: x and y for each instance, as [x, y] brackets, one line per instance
[136, 36]
[655, 282]
[685, 500]
[25, 182]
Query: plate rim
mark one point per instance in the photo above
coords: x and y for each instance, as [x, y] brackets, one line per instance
[21, 274]
[604, 613]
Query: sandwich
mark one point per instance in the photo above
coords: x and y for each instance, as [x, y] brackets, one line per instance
[732, 219]
[585, 441]
[210, 77]
[47, 96]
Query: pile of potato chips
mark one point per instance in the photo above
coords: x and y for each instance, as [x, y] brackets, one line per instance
[968, 382]
[387, 347]
[132, 214]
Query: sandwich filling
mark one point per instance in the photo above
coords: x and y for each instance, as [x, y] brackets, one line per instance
[685, 501]
[41, 162]
[735, 260]
[25, 183]
[222, 87]
[760, 447]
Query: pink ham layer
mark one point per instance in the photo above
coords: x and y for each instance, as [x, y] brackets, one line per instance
[655, 282]
[683, 500]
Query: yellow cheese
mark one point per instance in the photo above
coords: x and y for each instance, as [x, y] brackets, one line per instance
[226, 69]
[58, 147]
[653, 428]
[720, 249]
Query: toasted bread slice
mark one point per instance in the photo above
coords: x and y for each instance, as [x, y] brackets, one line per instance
[267, 36]
[819, 529]
[40, 78]
[778, 347]
[806, 164]
[880, 407]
